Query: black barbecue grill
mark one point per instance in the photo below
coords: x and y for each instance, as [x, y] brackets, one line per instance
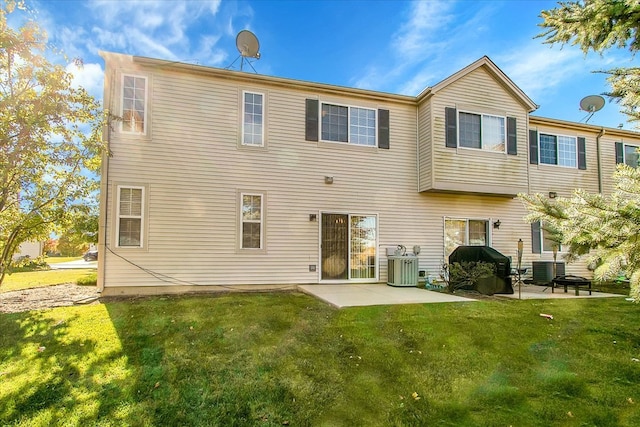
[500, 282]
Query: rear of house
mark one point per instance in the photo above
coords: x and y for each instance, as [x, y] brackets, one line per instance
[220, 178]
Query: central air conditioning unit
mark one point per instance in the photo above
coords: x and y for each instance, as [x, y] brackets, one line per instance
[402, 271]
[543, 271]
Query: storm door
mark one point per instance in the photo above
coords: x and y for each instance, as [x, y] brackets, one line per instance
[348, 247]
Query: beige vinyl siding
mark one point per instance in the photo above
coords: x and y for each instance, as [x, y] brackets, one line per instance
[478, 170]
[425, 147]
[564, 180]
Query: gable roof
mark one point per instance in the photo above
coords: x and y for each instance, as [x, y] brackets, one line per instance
[494, 71]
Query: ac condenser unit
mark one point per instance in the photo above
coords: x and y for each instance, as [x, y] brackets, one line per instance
[403, 271]
[543, 271]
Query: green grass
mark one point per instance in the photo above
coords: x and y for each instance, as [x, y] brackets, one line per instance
[33, 279]
[288, 359]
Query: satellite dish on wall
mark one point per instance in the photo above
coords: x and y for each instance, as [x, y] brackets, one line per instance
[591, 104]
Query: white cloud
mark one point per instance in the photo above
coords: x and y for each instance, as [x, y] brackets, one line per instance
[88, 76]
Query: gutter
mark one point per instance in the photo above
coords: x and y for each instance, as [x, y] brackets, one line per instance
[600, 135]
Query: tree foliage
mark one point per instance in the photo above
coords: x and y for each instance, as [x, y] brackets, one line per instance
[50, 137]
[605, 228]
[598, 25]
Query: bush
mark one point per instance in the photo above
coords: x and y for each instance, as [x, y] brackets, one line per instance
[467, 274]
[26, 263]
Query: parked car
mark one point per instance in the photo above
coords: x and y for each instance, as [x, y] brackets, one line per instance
[90, 256]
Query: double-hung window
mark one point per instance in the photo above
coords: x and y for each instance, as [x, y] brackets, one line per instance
[627, 154]
[253, 119]
[130, 217]
[482, 131]
[558, 150]
[251, 221]
[352, 125]
[543, 238]
[134, 104]
[464, 232]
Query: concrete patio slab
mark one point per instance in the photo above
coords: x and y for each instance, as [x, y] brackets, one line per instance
[544, 292]
[376, 294]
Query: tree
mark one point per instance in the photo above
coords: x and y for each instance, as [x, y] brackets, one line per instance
[50, 138]
[605, 228]
[599, 25]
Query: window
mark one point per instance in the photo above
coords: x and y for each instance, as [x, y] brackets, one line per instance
[542, 238]
[252, 119]
[464, 232]
[348, 124]
[130, 216]
[558, 150]
[631, 155]
[251, 219]
[134, 104]
[482, 131]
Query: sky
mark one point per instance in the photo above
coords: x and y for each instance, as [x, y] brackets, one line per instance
[398, 47]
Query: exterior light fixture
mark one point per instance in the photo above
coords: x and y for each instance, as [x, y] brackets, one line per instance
[496, 224]
[553, 194]
[313, 217]
[328, 180]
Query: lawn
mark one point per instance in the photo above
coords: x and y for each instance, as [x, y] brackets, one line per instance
[32, 279]
[288, 359]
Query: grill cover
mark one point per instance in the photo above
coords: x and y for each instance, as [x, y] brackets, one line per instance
[500, 283]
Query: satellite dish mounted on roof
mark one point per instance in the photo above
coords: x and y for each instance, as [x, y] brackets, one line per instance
[248, 46]
[591, 104]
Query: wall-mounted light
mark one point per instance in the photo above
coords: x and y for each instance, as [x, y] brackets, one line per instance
[328, 180]
[553, 194]
[496, 223]
[313, 217]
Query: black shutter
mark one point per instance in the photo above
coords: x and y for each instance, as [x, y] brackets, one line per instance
[451, 125]
[536, 238]
[619, 153]
[311, 120]
[533, 147]
[582, 153]
[512, 141]
[383, 129]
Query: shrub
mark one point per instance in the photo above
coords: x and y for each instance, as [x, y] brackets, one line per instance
[467, 274]
[90, 279]
[27, 263]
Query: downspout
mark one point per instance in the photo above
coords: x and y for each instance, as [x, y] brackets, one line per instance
[104, 193]
[600, 135]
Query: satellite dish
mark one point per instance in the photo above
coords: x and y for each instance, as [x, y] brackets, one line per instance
[591, 104]
[247, 44]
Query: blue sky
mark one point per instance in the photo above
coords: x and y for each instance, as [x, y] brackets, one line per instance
[390, 46]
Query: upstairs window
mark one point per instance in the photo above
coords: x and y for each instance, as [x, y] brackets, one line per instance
[350, 125]
[482, 131]
[488, 132]
[627, 154]
[558, 150]
[134, 104]
[130, 216]
[252, 119]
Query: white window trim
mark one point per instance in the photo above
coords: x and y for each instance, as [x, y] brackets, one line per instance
[264, 102]
[349, 107]
[142, 216]
[575, 138]
[482, 149]
[146, 104]
[261, 221]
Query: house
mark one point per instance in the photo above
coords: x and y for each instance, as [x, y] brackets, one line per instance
[222, 179]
